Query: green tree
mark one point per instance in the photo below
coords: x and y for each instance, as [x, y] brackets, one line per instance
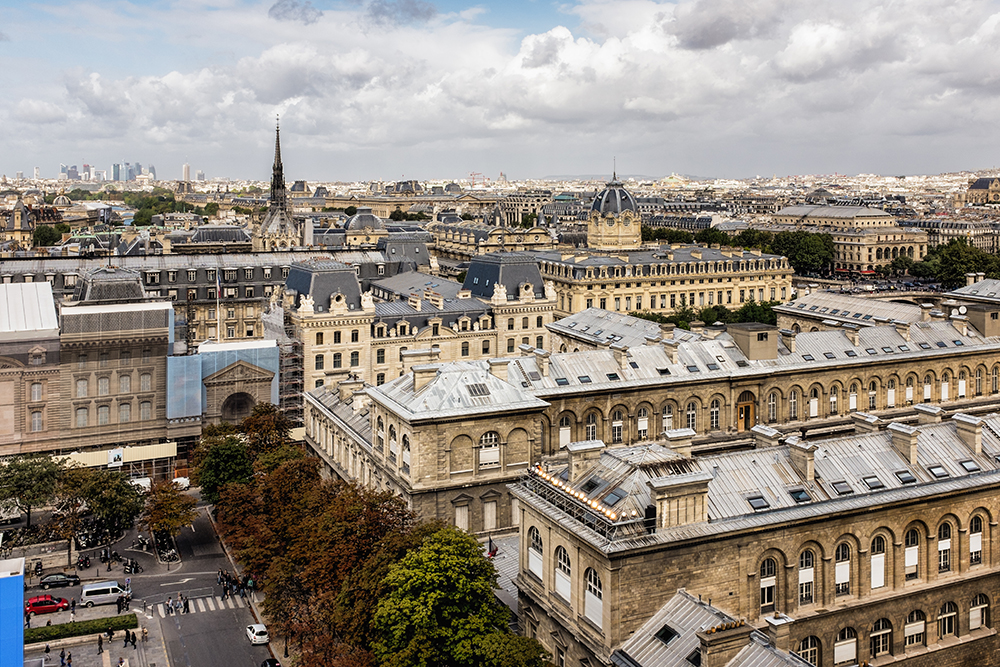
[266, 429]
[62, 228]
[753, 311]
[70, 504]
[397, 215]
[350, 210]
[440, 608]
[222, 461]
[711, 236]
[212, 209]
[114, 501]
[29, 481]
[44, 235]
[167, 509]
[901, 265]
[806, 252]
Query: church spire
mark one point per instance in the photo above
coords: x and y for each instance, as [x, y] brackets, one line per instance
[279, 196]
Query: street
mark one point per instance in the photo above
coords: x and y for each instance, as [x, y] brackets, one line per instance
[212, 633]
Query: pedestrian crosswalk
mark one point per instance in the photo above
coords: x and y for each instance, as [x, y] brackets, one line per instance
[204, 605]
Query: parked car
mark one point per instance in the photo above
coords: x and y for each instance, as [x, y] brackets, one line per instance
[45, 604]
[182, 483]
[257, 634]
[59, 580]
[270, 662]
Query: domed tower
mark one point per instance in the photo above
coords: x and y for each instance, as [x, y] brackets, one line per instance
[614, 222]
[364, 228]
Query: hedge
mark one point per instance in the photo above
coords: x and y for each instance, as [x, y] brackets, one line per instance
[50, 633]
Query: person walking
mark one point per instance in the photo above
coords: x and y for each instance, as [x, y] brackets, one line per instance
[72, 616]
[69, 659]
[145, 634]
[133, 641]
[125, 645]
[187, 606]
[170, 605]
[72, 604]
[62, 658]
[100, 644]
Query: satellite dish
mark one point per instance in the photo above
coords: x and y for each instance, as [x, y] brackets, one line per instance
[962, 310]
[954, 312]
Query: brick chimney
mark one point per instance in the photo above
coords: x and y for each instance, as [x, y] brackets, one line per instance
[720, 644]
[681, 500]
[904, 440]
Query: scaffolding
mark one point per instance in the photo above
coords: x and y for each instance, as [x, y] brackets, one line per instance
[290, 368]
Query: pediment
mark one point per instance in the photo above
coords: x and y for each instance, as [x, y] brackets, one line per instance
[240, 371]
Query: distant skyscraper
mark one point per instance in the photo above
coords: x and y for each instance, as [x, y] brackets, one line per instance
[116, 172]
[19, 175]
[186, 172]
[199, 175]
[38, 173]
[72, 173]
[152, 171]
[62, 168]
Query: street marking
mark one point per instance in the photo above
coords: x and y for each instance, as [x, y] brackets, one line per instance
[211, 603]
[239, 603]
[159, 609]
[178, 583]
[201, 605]
[230, 603]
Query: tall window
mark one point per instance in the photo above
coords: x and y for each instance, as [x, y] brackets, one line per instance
[979, 382]
[563, 574]
[535, 552]
[944, 547]
[946, 619]
[145, 382]
[145, 411]
[768, 573]
[593, 599]
[833, 400]
[81, 388]
[124, 384]
[336, 338]
[338, 360]
[979, 612]
[928, 387]
[793, 405]
[692, 416]
[319, 362]
[713, 414]
[881, 637]
[842, 573]
[486, 347]
[642, 423]
[976, 540]
[915, 630]
[36, 421]
[890, 389]
[617, 419]
[354, 335]
[489, 452]
[592, 426]
[668, 417]
[772, 407]
[405, 466]
[852, 397]
[319, 337]
[355, 358]
[878, 561]
[995, 379]
[807, 561]
[36, 391]
[124, 413]
[911, 545]
[81, 417]
[872, 394]
[103, 386]
[845, 649]
[103, 415]
[809, 650]
[465, 349]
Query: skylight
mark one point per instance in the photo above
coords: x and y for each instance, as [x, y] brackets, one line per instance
[713, 367]
[871, 350]
[758, 503]
[614, 497]
[808, 357]
[938, 471]
[613, 376]
[742, 363]
[970, 466]
[562, 382]
[842, 488]
[663, 371]
[667, 634]
[925, 346]
[873, 482]
[800, 495]
[534, 376]
[887, 350]
[905, 476]
[850, 353]
[958, 343]
[693, 369]
[633, 364]
[584, 379]
[941, 343]
[478, 390]
[904, 348]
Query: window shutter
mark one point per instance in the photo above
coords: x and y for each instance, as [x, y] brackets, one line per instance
[878, 570]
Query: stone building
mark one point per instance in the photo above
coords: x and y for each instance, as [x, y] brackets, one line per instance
[463, 240]
[279, 230]
[940, 231]
[982, 191]
[614, 222]
[875, 548]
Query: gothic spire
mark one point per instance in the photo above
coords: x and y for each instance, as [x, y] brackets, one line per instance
[279, 196]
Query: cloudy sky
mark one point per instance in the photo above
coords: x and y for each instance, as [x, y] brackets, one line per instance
[438, 89]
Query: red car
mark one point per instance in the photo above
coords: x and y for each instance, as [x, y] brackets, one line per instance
[45, 604]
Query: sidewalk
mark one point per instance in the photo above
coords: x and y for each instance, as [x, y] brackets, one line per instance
[152, 653]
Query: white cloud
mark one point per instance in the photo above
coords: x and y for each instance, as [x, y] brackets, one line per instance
[383, 88]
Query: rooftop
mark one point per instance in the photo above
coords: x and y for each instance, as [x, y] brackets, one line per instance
[27, 310]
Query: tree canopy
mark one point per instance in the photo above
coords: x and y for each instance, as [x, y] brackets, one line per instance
[114, 500]
[167, 509]
[219, 461]
[29, 481]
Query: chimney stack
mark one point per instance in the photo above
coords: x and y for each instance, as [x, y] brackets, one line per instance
[970, 279]
[679, 440]
[422, 374]
[582, 457]
[904, 440]
[803, 455]
[765, 436]
[970, 430]
[542, 360]
[928, 414]
[670, 347]
[779, 631]
[788, 339]
[720, 644]
[680, 500]
[865, 423]
[851, 330]
[925, 311]
[621, 354]
[498, 368]
[903, 329]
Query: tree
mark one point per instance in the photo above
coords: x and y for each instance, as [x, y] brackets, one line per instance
[397, 215]
[901, 265]
[168, 509]
[266, 428]
[440, 608]
[29, 481]
[45, 235]
[713, 236]
[221, 461]
[806, 252]
[350, 210]
[212, 209]
[70, 503]
[114, 500]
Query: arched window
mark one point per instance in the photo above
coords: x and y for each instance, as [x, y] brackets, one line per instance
[145, 382]
[945, 386]
[103, 388]
[539, 342]
[539, 322]
[842, 573]
[713, 414]
[124, 413]
[145, 411]
[563, 574]
[872, 394]
[592, 426]
[793, 405]
[355, 358]
[81, 388]
[489, 450]
[81, 417]
[465, 349]
[834, 391]
[928, 387]
[809, 650]
[406, 454]
[976, 540]
[915, 630]
[535, 552]
[36, 421]
[814, 402]
[946, 619]
[486, 347]
[852, 397]
[36, 391]
[593, 600]
[979, 382]
[979, 612]
[909, 389]
[318, 362]
[692, 416]
[642, 423]
[768, 583]
[617, 419]
[772, 407]
[911, 543]
[392, 443]
[890, 393]
[524, 322]
[845, 649]
[878, 562]
[881, 637]
[338, 360]
[668, 417]
[995, 379]
[944, 547]
[807, 562]
[103, 414]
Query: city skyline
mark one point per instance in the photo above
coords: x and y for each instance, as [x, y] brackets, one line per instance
[409, 89]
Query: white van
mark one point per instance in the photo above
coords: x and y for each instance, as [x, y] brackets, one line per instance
[103, 592]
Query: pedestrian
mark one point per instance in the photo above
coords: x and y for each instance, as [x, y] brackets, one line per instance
[121, 662]
[72, 604]
[225, 591]
[27, 620]
[187, 606]
[111, 635]
[100, 644]
[133, 641]
[128, 601]
[170, 605]
[218, 579]
[47, 651]
[145, 634]
[69, 659]
[125, 645]
[62, 658]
